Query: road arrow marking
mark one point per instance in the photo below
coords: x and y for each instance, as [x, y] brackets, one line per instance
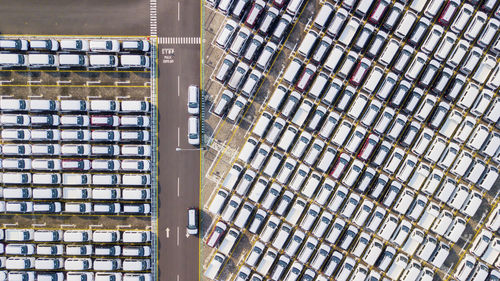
[168, 232]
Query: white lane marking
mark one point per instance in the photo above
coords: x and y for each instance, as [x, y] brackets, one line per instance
[178, 11]
[177, 277]
[177, 236]
[178, 136]
[178, 86]
[167, 230]
[178, 190]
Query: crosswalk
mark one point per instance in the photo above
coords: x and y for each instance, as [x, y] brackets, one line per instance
[179, 40]
[153, 24]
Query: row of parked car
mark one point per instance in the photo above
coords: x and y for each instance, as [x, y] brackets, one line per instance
[16, 249]
[303, 147]
[75, 236]
[73, 276]
[75, 179]
[28, 207]
[77, 264]
[92, 61]
[76, 193]
[72, 164]
[75, 45]
[80, 150]
[108, 106]
[69, 135]
[25, 120]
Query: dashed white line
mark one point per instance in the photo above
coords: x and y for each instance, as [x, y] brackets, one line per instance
[178, 189]
[178, 86]
[178, 136]
[178, 11]
[177, 236]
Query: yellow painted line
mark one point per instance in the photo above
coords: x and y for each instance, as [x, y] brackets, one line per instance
[78, 36]
[200, 199]
[157, 163]
[76, 86]
[74, 70]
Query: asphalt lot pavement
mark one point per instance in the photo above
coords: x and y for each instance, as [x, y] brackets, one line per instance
[86, 17]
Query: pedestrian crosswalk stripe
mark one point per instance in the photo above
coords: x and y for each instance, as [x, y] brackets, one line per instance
[179, 40]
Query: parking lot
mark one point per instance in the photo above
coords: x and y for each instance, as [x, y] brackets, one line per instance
[75, 138]
[376, 152]
[75, 253]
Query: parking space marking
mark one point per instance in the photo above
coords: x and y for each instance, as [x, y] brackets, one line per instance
[64, 84]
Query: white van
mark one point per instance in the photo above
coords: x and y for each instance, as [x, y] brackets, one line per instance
[136, 236]
[193, 130]
[106, 179]
[135, 106]
[43, 60]
[73, 60]
[307, 44]
[98, 61]
[48, 235]
[129, 61]
[134, 179]
[104, 105]
[74, 105]
[214, 266]
[106, 236]
[77, 236]
[7, 60]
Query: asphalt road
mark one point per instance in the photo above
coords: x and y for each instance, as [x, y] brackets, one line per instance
[178, 254]
[178, 259]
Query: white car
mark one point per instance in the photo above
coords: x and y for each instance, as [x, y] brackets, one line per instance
[135, 165]
[74, 45]
[104, 45]
[75, 120]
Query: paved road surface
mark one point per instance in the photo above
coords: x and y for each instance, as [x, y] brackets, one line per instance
[178, 261]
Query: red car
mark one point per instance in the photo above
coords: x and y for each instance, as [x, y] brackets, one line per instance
[368, 147]
[448, 12]
[255, 12]
[306, 78]
[360, 72]
[216, 233]
[378, 11]
[279, 3]
[340, 166]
